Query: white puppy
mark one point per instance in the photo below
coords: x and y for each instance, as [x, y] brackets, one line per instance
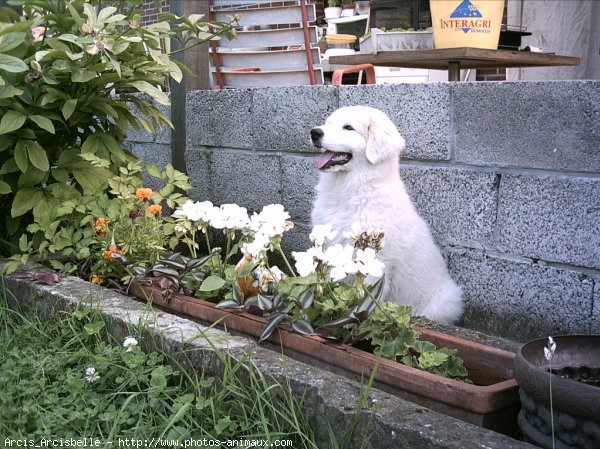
[360, 182]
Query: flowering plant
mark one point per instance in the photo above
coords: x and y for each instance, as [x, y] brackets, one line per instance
[332, 290]
[70, 72]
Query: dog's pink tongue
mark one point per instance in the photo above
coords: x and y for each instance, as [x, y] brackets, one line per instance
[320, 160]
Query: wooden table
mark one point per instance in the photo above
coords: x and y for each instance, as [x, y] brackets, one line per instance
[455, 59]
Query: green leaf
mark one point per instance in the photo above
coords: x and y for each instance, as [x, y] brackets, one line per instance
[11, 121]
[12, 64]
[25, 200]
[9, 91]
[68, 108]
[153, 91]
[11, 40]
[273, 323]
[4, 188]
[212, 283]
[38, 156]
[82, 76]
[43, 123]
[21, 155]
[303, 327]
[94, 328]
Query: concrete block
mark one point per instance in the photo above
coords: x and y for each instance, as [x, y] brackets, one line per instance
[459, 205]
[299, 179]
[550, 218]
[284, 116]
[534, 124]
[420, 111]
[152, 153]
[596, 308]
[219, 119]
[197, 162]
[248, 179]
[521, 299]
[164, 134]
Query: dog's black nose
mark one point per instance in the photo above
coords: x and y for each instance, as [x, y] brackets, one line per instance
[316, 134]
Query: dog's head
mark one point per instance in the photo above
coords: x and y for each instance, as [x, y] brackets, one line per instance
[355, 136]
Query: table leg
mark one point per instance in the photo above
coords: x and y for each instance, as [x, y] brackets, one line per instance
[453, 71]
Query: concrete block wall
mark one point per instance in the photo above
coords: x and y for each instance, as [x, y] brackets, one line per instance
[506, 174]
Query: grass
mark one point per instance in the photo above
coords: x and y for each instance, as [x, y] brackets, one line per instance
[139, 395]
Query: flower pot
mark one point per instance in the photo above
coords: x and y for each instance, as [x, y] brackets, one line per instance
[575, 383]
[332, 12]
[491, 402]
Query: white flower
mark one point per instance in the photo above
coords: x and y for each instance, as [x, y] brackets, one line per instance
[340, 259]
[129, 343]
[258, 247]
[307, 261]
[91, 375]
[196, 211]
[230, 217]
[273, 221]
[368, 264]
[549, 349]
[320, 233]
[355, 231]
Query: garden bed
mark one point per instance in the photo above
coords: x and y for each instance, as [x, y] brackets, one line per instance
[491, 401]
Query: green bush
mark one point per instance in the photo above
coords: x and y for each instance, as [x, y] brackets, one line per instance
[70, 72]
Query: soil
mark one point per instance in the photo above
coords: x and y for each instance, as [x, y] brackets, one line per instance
[583, 374]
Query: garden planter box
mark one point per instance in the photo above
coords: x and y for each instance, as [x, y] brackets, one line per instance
[492, 402]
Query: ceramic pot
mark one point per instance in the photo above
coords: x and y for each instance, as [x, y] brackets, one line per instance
[575, 381]
[332, 12]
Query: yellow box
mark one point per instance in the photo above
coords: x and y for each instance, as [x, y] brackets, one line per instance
[466, 23]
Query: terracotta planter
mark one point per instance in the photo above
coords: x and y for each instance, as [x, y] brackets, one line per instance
[575, 403]
[492, 402]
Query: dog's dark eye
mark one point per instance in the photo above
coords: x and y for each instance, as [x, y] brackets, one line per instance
[348, 128]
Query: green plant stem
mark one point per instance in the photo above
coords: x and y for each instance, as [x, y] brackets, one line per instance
[551, 406]
[286, 261]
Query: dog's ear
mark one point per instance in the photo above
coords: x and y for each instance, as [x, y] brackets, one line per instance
[383, 140]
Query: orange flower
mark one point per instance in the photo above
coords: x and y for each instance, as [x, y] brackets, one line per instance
[155, 209]
[98, 279]
[108, 254]
[143, 193]
[100, 223]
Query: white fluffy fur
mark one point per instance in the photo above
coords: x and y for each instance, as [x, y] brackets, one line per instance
[368, 189]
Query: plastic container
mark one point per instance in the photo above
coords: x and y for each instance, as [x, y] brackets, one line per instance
[466, 23]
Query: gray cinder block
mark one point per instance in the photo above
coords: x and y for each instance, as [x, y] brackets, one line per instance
[551, 218]
[197, 162]
[420, 111]
[219, 119]
[512, 296]
[299, 179]
[459, 205]
[247, 179]
[283, 117]
[549, 125]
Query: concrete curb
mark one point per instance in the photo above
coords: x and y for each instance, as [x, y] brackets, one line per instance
[394, 423]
